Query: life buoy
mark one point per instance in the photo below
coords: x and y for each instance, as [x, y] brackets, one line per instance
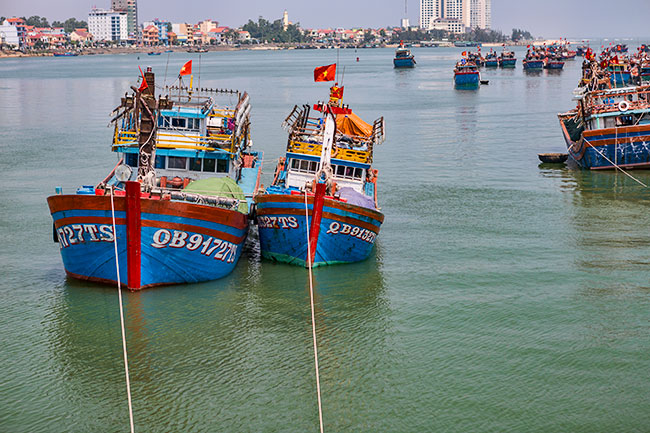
[176, 182]
[623, 106]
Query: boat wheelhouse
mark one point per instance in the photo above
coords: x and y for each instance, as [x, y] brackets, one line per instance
[507, 59]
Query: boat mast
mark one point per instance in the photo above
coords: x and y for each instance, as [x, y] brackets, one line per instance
[147, 134]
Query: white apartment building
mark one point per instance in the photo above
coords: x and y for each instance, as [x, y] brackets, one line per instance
[455, 15]
[108, 25]
[430, 10]
[480, 14]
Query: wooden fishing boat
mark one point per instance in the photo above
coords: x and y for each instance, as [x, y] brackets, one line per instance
[178, 199]
[65, 54]
[466, 74]
[551, 62]
[553, 158]
[609, 128]
[533, 61]
[507, 59]
[327, 163]
[403, 58]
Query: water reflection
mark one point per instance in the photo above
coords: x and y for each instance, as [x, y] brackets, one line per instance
[211, 354]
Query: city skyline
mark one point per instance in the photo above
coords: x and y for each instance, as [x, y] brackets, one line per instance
[557, 18]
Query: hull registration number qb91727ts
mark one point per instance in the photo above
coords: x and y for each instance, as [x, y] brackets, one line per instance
[206, 245]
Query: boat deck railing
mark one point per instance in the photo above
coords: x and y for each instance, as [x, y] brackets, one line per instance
[179, 141]
[315, 149]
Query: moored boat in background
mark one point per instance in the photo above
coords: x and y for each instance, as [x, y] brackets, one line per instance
[403, 57]
[507, 59]
[466, 74]
[609, 128]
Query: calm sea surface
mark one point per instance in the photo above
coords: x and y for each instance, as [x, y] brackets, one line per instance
[503, 296]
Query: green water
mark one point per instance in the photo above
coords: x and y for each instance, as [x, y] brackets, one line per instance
[502, 296]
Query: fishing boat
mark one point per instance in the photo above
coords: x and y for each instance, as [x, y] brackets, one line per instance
[507, 59]
[582, 50]
[491, 60]
[326, 169]
[175, 208]
[466, 74]
[533, 61]
[476, 58]
[552, 62]
[620, 48]
[153, 53]
[644, 71]
[65, 54]
[609, 128]
[403, 57]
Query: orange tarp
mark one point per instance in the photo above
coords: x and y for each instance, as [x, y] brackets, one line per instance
[351, 124]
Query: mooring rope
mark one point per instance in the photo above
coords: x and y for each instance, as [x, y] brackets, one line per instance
[313, 317]
[119, 295]
[615, 165]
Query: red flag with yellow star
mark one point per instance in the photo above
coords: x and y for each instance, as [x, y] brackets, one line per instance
[186, 69]
[325, 73]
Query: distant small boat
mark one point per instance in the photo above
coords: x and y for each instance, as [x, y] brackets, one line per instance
[403, 57]
[466, 75]
[66, 54]
[169, 51]
[553, 158]
[507, 59]
[553, 63]
[533, 63]
[153, 53]
[491, 60]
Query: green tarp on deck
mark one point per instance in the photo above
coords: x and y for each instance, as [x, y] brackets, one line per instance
[221, 187]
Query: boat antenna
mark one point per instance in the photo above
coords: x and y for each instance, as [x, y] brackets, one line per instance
[166, 66]
[342, 75]
[338, 50]
[199, 70]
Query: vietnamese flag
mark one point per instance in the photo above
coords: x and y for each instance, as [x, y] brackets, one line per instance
[336, 92]
[325, 73]
[186, 69]
[144, 84]
[464, 53]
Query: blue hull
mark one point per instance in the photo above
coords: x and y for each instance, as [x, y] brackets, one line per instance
[555, 66]
[180, 242]
[509, 63]
[466, 79]
[534, 64]
[404, 63]
[491, 63]
[631, 150]
[347, 232]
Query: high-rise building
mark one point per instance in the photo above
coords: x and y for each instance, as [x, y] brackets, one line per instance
[108, 25]
[455, 13]
[430, 10]
[480, 14]
[131, 9]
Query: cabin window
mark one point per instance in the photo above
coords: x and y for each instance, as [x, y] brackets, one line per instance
[131, 159]
[160, 162]
[222, 166]
[177, 162]
[163, 121]
[304, 166]
[179, 122]
[345, 172]
[209, 164]
[193, 123]
[195, 164]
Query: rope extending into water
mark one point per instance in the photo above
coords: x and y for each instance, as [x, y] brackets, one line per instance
[119, 295]
[615, 165]
[313, 318]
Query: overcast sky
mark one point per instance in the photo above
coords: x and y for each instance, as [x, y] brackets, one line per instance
[548, 18]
